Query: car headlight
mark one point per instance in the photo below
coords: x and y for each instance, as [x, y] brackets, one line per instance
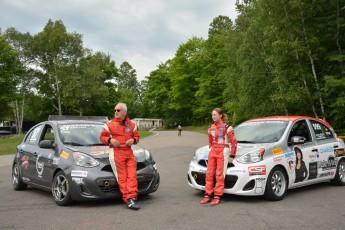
[252, 157]
[84, 160]
[148, 155]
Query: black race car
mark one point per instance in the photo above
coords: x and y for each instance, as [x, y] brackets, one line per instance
[68, 159]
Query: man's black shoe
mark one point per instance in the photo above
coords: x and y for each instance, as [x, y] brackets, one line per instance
[133, 204]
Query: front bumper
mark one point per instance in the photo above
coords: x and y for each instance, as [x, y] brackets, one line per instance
[100, 183]
[237, 179]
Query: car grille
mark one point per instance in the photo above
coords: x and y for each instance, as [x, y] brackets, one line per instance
[229, 181]
[107, 168]
[111, 186]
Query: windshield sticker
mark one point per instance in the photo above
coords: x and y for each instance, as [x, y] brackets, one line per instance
[64, 154]
[39, 166]
[262, 122]
[78, 173]
[277, 151]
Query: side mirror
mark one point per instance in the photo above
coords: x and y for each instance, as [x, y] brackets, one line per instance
[47, 144]
[295, 140]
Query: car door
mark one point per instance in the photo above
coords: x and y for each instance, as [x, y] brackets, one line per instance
[44, 158]
[28, 152]
[301, 155]
[326, 143]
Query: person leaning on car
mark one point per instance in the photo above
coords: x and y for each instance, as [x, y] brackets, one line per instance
[220, 137]
[120, 133]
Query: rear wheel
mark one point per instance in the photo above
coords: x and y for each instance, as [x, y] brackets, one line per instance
[276, 185]
[339, 178]
[17, 182]
[61, 190]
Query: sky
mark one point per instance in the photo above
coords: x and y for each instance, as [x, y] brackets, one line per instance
[145, 33]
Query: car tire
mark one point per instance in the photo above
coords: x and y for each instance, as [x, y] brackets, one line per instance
[276, 185]
[17, 182]
[339, 178]
[61, 189]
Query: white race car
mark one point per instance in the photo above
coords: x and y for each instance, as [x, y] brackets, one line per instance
[275, 154]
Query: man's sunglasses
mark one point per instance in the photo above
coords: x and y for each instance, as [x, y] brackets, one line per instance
[117, 110]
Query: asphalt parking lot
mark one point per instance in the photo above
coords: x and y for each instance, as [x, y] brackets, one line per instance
[175, 205]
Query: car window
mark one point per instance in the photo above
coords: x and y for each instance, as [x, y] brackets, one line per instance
[48, 133]
[33, 136]
[260, 131]
[80, 134]
[300, 128]
[321, 131]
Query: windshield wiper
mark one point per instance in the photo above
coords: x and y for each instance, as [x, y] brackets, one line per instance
[95, 144]
[245, 141]
[73, 143]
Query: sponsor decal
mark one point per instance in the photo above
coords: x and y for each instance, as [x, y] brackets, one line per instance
[237, 171]
[202, 170]
[257, 170]
[99, 150]
[339, 152]
[64, 154]
[56, 160]
[291, 167]
[260, 185]
[312, 170]
[277, 151]
[25, 161]
[78, 173]
[77, 180]
[278, 159]
[331, 163]
[39, 166]
[327, 150]
[314, 156]
[25, 179]
[325, 174]
[289, 154]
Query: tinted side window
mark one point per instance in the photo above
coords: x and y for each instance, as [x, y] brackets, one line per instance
[321, 131]
[300, 128]
[49, 133]
[33, 136]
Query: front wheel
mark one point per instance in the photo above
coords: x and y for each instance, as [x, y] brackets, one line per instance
[61, 190]
[17, 182]
[276, 185]
[339, 178]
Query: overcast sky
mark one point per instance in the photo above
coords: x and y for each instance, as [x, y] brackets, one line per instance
[143, 32]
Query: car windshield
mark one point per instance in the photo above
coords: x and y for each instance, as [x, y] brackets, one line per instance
[260, 131]
[80, 134]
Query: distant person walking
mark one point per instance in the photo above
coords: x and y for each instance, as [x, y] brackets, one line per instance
[179, 127]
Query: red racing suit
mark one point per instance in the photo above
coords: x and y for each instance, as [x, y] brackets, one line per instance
[220, 137]
[121, 158]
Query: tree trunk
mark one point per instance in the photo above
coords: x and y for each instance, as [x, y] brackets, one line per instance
[312, 63]
[337, 37]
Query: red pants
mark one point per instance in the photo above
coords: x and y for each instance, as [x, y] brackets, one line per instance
[126, 172]
[217, 159]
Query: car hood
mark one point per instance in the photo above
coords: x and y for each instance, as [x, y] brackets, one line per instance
[202, 152]
[102, 152]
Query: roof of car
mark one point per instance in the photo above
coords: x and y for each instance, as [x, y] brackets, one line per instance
[76, 122]
[288, 118]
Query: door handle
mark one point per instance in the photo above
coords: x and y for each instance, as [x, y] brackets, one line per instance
[35, 154]
[335, 146]
[314, 150]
